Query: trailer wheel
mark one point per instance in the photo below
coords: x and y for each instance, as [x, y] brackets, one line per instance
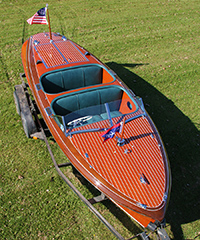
[23, 109]
[28, 124]
[16, 99]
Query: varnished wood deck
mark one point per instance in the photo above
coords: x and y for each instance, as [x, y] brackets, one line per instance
[123, 166]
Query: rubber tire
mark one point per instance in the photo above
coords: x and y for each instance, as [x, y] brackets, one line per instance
[16, 99]
[23, 109]
[28, 124]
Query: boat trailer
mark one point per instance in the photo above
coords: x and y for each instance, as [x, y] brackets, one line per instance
[33, 129]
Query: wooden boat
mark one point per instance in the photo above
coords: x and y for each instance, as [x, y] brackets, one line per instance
[81, 99]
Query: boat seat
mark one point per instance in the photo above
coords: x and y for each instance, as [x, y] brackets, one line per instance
[66, 104]
[67, 79]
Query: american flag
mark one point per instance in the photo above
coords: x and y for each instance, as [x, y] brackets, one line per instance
[110, 133]
[39, 17]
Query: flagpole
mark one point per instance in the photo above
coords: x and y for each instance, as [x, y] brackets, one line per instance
[123, 123]
[48, 19]
[121, 141]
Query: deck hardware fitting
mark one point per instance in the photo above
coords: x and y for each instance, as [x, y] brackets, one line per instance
[38, 87]
[36, 42]
[64, 38]
[87, 53]
[165, 197]
[120, 142]
[127, 151]
[48, 111]
[142, 205]
[38, 61]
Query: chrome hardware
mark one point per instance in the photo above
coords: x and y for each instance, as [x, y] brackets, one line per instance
[152, 135]
[35, 42]
[126, 151]
[143, 179]
[120, 141]
[142, 205]
[64, 38]
[165, 197]
[48, 111]
[38, 86]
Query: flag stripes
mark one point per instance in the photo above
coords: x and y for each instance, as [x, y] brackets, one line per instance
[39, 17]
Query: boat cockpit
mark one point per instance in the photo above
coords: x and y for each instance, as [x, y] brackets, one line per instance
[87, 107]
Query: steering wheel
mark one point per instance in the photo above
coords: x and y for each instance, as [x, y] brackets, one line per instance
[79, 120]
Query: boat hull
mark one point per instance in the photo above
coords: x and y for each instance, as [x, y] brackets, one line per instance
[136, 175]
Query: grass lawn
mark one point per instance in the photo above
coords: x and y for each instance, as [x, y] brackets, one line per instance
[154, 47]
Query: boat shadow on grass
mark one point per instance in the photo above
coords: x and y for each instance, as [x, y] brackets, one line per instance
[182, 141]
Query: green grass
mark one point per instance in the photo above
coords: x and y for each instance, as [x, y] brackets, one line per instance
[154, 47]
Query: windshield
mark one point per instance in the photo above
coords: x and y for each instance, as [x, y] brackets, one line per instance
[100, 117]
[98, 113]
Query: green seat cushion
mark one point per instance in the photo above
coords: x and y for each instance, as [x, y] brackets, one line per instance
[71, 78]
[68, 103]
